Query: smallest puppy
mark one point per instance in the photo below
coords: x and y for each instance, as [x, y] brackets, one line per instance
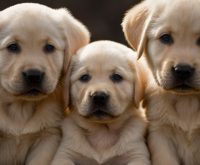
[105, 126]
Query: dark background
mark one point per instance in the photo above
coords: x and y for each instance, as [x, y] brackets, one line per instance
[102, 17]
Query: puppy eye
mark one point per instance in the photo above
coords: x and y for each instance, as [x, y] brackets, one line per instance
[14, 48]
[166, 39]
[85, 78]
[198, 41]
[116, 78]
[48, 48]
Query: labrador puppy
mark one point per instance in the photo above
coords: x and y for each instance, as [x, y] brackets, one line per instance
[35, 44]
[105, 126]
[167, 33]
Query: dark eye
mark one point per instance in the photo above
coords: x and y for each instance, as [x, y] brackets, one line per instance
[166, 39]
[198, 42]
[13, 48]
[48, 48]
[116, 78]
[85, 78]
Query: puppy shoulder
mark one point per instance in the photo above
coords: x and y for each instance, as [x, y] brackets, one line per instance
[139, 122]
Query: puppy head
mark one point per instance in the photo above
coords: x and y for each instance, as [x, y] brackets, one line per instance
[168, 33]
[35, 44]
[104, 81]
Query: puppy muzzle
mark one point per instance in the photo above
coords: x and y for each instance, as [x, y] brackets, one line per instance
[33, 80]
[182, 76]
[99, 105]
[99, 98]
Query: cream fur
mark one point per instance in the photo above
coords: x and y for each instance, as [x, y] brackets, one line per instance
[173, 114]
[30, 125]
[111, 141]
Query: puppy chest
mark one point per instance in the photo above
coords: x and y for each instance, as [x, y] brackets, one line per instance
[15, 149]
[102, 140]
[187, 146]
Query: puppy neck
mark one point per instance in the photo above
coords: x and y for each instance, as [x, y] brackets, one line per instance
[19, 117]
[112, 125]
[103, 136]
[182, 111]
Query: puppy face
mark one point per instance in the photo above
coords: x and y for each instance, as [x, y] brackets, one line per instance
[104, 82]
[169, 36]
[34, 44]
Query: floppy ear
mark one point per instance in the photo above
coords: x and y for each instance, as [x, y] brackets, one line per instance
[140, 83]
[67, 85]
[76, 35]
[135, 25]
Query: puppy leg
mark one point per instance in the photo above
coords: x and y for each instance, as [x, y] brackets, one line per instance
[161, 149]
[140, 155]
[43, 151]
[67, 157]
[62, 157]
[63, 161]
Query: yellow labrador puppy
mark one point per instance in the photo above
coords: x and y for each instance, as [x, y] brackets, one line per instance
[35, 41]
[105, 125]
[168, 34]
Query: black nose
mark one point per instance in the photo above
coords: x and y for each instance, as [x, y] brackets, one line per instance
[183, 71]
[33, 77]
[99, 98]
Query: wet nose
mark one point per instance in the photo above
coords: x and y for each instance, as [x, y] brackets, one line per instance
[33, 77]
[183, 71]
[99, 98]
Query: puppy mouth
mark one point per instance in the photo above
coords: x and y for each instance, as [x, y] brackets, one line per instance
[33, 92]
[99, 114]
[177, 85]
[182, 88]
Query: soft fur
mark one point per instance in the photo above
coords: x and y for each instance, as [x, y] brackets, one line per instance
[92, 139]
[173, 111]
[29, 122]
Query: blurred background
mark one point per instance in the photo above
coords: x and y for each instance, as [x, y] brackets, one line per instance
[102, 17]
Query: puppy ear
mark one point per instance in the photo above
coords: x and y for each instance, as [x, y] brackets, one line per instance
[67, 85]
[140, 83]
[135, 25]
[76, 34]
